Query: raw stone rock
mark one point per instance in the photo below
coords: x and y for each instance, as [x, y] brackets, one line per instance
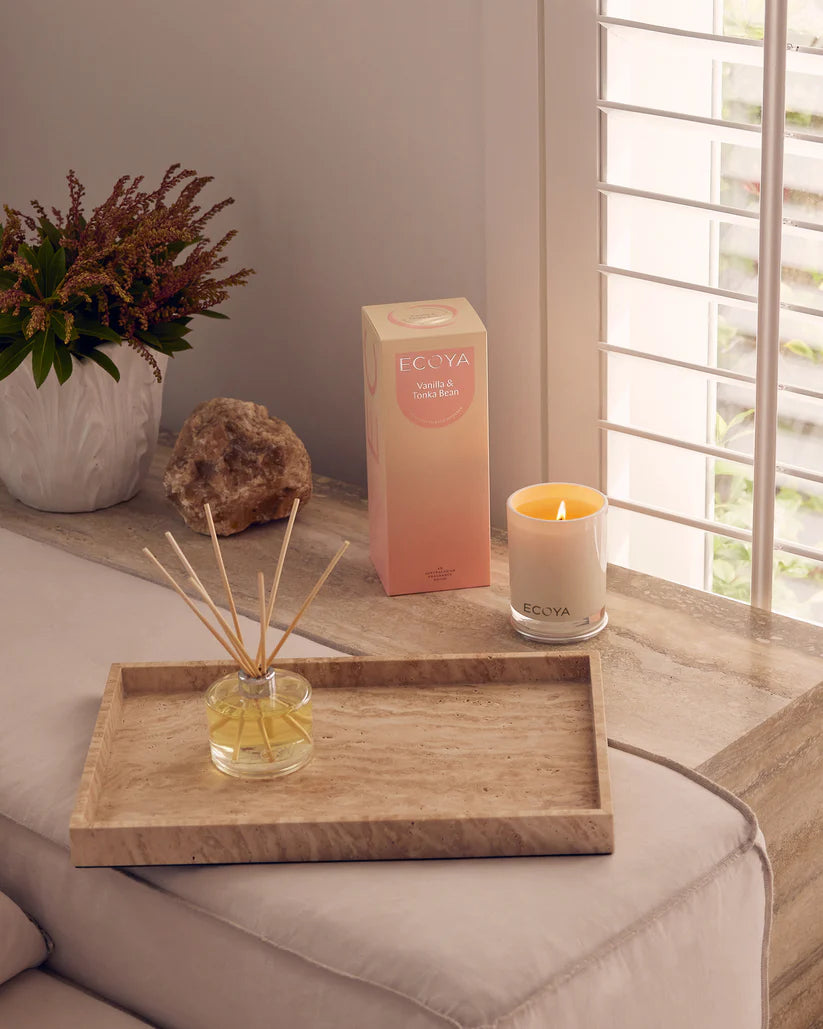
[247, 465]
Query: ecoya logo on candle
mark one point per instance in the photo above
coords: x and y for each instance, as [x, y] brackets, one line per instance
[435, 387]
[545, 611]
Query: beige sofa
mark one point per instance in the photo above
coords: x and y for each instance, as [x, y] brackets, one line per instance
[670, 930]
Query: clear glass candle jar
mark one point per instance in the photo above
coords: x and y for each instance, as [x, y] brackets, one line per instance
[260, 728]
[557, 561]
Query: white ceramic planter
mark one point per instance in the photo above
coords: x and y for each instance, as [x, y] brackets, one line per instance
[86, 444]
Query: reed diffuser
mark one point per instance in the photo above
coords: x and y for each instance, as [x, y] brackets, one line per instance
[259, 716]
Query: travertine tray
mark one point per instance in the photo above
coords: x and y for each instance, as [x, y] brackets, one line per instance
[465, 756]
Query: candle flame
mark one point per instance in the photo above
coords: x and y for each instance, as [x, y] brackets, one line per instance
[561, 512]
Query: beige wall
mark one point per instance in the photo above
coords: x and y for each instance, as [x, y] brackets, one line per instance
[354, 135]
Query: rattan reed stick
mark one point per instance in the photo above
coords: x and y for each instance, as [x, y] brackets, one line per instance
[223, 642]
[307, 602]
[264, 731]
[218, 554]
[239, 651]
[296, 725]
[204, 593]
[284, 546]
[240, 723]
[261, 646]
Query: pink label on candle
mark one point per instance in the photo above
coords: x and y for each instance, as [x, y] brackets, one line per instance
[435, 387]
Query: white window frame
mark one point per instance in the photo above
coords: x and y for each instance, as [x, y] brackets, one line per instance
[570, 365]
[514, 233]
[542, 284]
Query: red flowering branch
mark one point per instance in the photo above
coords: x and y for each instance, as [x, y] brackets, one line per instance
[135, 271]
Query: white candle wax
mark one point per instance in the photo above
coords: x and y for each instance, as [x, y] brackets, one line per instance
[557, 566]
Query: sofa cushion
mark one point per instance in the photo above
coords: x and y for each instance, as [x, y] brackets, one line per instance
[667, 931]
[22, 945]
[38, 1000]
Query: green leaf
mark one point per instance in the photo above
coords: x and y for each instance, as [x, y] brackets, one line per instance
[794, 569]
[214, 314]
[149, 338]
[42, 356]
[62, 363]
[7, 280]
[105, 362]
[14, 355]
[44, 255]
[736, 551]
[720, 427]
[50, 231]
[10, 324]
[741, 416]
[26, 251]
[174, 346]
[739, 488]
[57, 271]
[58, 320]
[724, 570]
[90, 327]
[175, 249]
[167, 331]
[83, 345]
[797, 346]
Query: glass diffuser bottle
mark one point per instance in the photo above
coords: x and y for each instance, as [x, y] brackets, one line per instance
[259, 723]
[260, 728]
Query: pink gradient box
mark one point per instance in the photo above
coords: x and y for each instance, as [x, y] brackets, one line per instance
[427, 441]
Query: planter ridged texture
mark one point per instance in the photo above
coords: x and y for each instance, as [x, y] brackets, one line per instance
[86, 444]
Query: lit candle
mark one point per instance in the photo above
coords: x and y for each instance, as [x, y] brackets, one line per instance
[557, 561]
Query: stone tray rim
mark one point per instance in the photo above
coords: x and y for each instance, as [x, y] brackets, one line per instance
[156, 839]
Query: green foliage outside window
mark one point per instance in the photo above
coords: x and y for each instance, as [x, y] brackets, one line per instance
[798, 582]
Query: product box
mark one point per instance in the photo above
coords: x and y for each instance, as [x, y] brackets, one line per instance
[427, 441]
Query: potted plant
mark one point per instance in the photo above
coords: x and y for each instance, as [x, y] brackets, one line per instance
[91, 309]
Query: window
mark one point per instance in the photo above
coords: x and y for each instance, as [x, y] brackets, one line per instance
[711, 250]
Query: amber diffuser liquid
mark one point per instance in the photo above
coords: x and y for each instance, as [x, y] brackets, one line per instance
[260, 728]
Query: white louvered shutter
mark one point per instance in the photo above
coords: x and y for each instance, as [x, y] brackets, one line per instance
[712, 294]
